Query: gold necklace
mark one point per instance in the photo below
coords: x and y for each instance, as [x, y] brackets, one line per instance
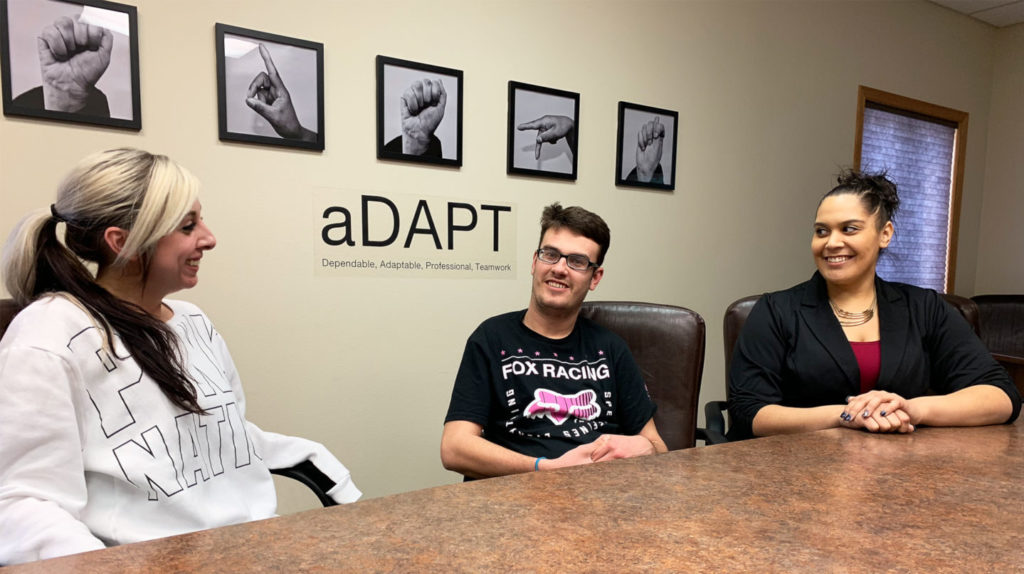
[848, 319]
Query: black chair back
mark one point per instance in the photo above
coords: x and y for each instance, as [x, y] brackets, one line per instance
[1002, 323]
[1001, 318]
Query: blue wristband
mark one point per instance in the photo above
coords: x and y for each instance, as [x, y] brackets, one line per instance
[536, 463]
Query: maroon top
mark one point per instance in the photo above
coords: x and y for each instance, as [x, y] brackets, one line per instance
[869, 359]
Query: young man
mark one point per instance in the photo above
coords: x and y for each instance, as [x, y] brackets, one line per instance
[543, 388]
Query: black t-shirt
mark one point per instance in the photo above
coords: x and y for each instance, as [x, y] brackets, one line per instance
[543, 397]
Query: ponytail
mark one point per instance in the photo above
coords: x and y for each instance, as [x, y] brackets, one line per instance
[21, 251]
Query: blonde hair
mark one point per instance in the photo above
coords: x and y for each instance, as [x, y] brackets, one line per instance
[145, 194]
[148, 196]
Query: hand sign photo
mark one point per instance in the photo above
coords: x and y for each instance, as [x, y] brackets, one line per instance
[270, 88]
[646, 151]
[71, 61]
[419, 112]
[543, 131]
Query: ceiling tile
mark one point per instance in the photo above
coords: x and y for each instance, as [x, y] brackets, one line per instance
[996, 12]
[1006, 15]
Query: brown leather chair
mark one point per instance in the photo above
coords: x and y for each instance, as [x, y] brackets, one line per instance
[736, 315]
[304, 472]
[667, 343]
[1002, 330]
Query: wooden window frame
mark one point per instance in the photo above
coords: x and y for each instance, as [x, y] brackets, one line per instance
[931, 111]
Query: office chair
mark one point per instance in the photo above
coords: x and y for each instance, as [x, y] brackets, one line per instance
[716, 412]
[308, 474]
[1001, 318]
[304, 472]
[667, 343]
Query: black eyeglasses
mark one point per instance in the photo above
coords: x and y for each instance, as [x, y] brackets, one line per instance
[574, 261]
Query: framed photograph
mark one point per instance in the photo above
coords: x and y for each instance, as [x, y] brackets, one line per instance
[646, 154]
[270, 88]
[71, 61]
[419, 112]
[543, 129]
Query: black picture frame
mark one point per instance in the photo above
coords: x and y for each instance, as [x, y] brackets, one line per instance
[529, 107]
[246, 56]
[633, 119]
[110, 62]
[398, 79]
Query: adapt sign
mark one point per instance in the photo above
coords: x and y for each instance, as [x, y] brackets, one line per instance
[399, 235]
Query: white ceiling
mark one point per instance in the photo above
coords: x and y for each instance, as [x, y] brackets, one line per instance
[999, 13]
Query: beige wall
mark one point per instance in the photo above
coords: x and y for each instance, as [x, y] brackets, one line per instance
[1001, 243]
[766, 94]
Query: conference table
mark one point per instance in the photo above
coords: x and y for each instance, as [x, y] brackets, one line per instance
[936, 500]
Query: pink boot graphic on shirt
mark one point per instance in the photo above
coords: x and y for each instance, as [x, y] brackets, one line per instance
[559, 407]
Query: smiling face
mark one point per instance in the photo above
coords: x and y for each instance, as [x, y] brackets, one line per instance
[847, 240]
[175, 262]
[557, 289]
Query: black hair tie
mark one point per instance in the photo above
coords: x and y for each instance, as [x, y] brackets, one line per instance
[55, 215]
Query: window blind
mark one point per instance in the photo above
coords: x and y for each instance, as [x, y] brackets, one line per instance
[917, 154]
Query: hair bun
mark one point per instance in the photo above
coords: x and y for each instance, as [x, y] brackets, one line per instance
[876, 187]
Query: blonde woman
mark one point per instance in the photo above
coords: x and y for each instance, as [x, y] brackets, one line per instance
[121, 412]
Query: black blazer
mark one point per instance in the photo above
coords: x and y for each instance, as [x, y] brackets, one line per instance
[793, 352]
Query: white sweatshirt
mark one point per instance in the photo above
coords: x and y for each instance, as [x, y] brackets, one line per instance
[93, 454]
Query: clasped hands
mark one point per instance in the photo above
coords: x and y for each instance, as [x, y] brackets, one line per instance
[605, 447]
[880, 411]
